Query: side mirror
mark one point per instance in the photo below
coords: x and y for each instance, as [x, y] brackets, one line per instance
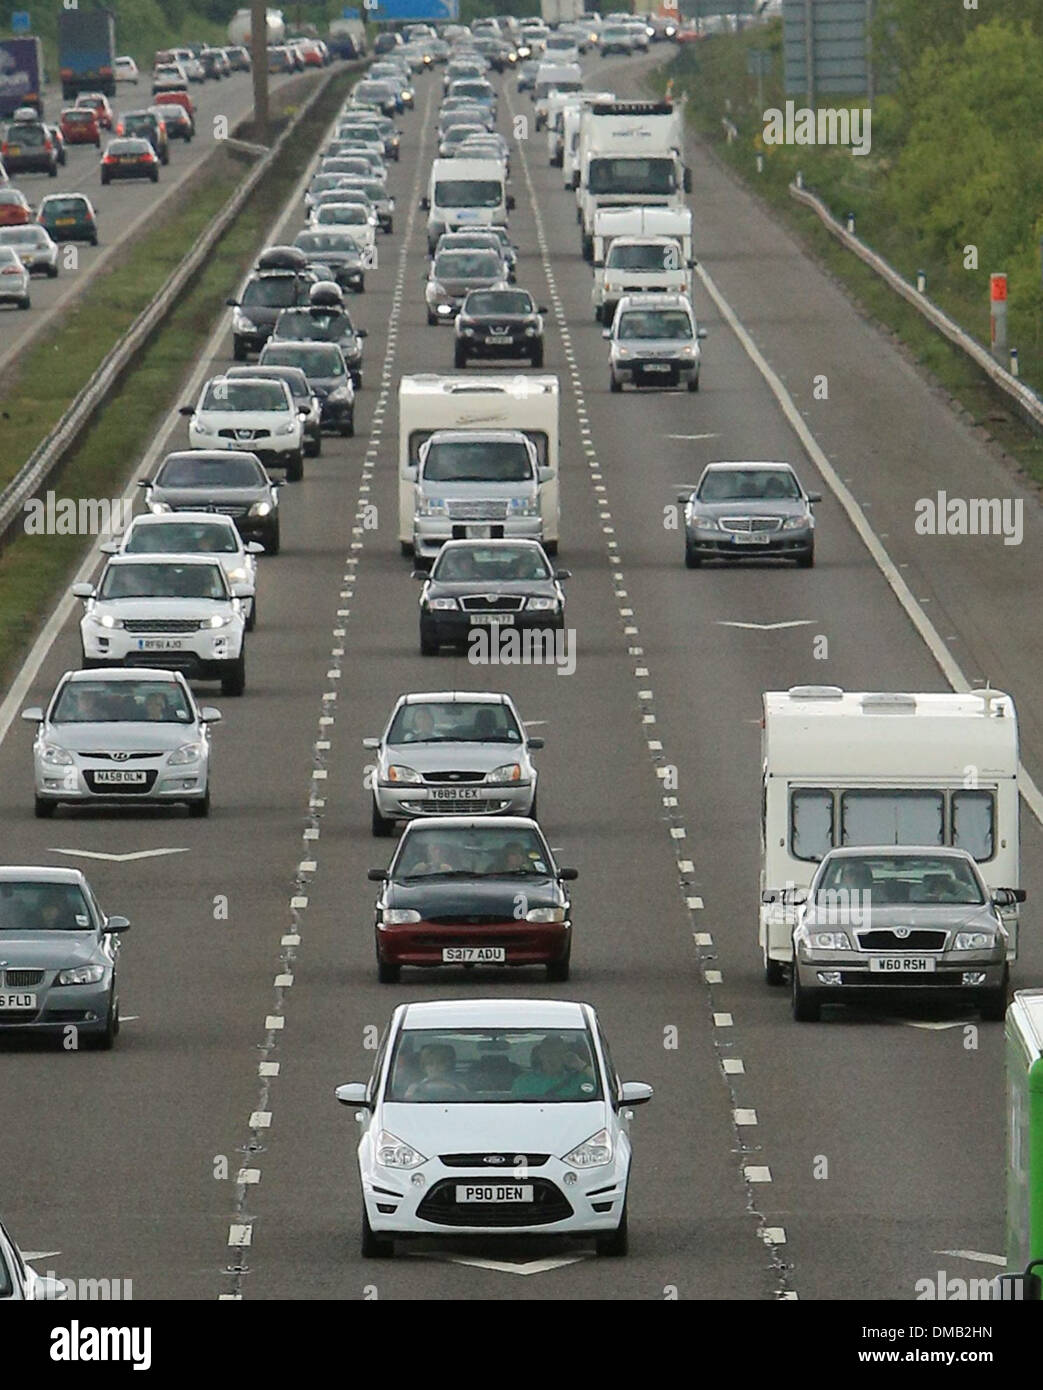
[49, 1288]
[144, 482]
[814, 497]
[109, 547]
[254, 548]
[510, 202]
[186, 410]
[568, 875]
[545, 475]
[425, 204]
[534, 744]
[353, 1093]
[84, 591]
[371, 743]
[701, 333]
[361, 332]
[1007, 897]
[243, 591]
[232, 303]
[209, 715]
[419, 574]
[687, 180]
[1019, 1288]
[377, 875]
[116, 924]
[635, 1093]
[33, 715]
[542, 309]
[562, 574]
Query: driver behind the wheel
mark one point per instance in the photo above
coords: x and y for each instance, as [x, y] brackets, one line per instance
[437, 1063]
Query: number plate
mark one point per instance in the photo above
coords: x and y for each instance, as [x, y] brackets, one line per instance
[121, 776]
[65, 221]
[17, 1001]
[493, 1192]
[657, 367]
[454, 955]
[14, 149]
[160, 644]
[454, 793]
[498, 619]
[760, 538]
[902, 965]
[480, 533]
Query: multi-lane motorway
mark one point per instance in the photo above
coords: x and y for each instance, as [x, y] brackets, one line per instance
[839, 1159]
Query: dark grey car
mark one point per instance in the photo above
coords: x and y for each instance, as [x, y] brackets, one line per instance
[328, 376]
[741, 510]
[454, 274]
[231, 482]
[339, 251]
[319, 324]
[304, 398]
[58, 957]
[261, 300]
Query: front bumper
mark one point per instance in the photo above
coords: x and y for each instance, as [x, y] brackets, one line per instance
[84, 1007]
[447, 627]
[14, 294]
[398, 801]
[523, 943]
[746, 544]
[30, 163]
[513, 345]
[835, 976]
[69, 785]
[337, 414]
[40, 265]
[431, 532]
[566, 1201]
[206, 654]
[655, 371]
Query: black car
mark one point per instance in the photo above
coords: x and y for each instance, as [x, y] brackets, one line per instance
[339, 251]
[304, 398]
[129, 159]
[499, 323]
[475, 583]
[231, 482]
[147, 126]
[29, 147]
[215, 64]
[319, 324]
[263, 298]
[328, 376]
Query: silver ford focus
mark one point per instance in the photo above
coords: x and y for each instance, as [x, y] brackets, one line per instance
[122, 736]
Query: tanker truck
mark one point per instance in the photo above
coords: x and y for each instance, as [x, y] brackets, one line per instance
[239, 28]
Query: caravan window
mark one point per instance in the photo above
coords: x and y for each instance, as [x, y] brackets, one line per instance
[892, 818]
[973, 818]
[811, 823]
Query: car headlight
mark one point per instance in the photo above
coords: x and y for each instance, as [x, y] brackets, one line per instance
[974, 941]
[398, 772]
[290, 428]
[435, 289]
[689, 350]
[442, 605]
[399, 916]
[524, 506]
[829, 941]
[53, 753]
[705, 523]
[392, 1152]
[220, 620]
[201, 426]
[80, 975]
[622, 351]
[508, 772]
[432, 506]
[531, 331]
[467, 332]
[594, 1152]
[260, 509]
[341, 395]
[541, 605]
[245, 325]
[238, 575]
[795, 523]
[187, 753]
[545, 914]
[107, 620]
[156, 507]
[444, 309]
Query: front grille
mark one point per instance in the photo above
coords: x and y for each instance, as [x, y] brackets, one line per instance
[883, 939]
[492, 1161]
[121, 788]
[473, 919]
[244, 434]
[548, 1204]
[440, 778]
[478, 511]
[455, 805]
[497, 603]
[748, 525]
[121, 757]
[162, 624]
[18, 979]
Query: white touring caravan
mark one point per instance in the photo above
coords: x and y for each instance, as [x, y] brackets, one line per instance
[880, 768]
[428, 402]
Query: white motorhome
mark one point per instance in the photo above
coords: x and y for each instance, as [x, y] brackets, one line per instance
[640, 251]
[629, 153]
[428, 402]
[880, 768]
[465, 193]
[571, 115]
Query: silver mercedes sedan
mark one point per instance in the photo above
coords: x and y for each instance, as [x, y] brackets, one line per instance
[452, 752]
[742, 511]
[122, 736]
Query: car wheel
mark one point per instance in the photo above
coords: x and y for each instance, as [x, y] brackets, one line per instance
[52, 172]
[387, 973]
[271, 545]
[588, 248]
[154, 176]
[381, 826]
[558, 970]
[537, 357]
[459, 359]
[251, 621]
[347, 431]
[314, 447]
[238, 350]
[532, 812]
[295, 468]
[104, 1041]
[234, 683]
[993, 1006]
[432, 319]
[374, 1247]
[617, 1242]
[693, 382]
[428, 644]
[405, 548]
[807, 560]
[94, 241]
[104, 180]
[199, 810]
[774, 971]
[391, 225]
[42, 809]
[25, 303]
[806, 1005]
[550, 547]
[52, 272]
[362, 285]
[598, 313]
[692, 560]
[613, 384]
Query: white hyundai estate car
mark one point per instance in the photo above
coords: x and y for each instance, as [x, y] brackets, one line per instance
[493, 1117]
[176, 612]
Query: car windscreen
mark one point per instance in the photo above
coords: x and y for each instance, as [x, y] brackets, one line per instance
[33, 907]
[643, 257]
[347, 214]
[455, 721]
[631, 175]
[79, 116]
[246, 395]
[749, 485]
[320, 360]
[924, 879]
[31, 136]
[274, 292]
[120, 702]
[171, 537]
[318, 242]
[499, 302]
[303, 325]
[478, 852]
[163, 579]
[477, 461]
[491, 565]
[63, 207]
[655, 323]
[24, 236]
[467, 265]
[8, 256]
[211, 473]
[493, 1066]
[468, 193]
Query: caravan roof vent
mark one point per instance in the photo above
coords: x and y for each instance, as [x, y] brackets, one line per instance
[887, 699]
[815, 692]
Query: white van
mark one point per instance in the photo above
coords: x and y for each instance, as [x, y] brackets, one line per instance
[640, 251]
[552, 77]
[428, 402]
[880, 768]
[465, 193]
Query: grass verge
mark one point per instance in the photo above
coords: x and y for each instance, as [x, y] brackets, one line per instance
[34, 569]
